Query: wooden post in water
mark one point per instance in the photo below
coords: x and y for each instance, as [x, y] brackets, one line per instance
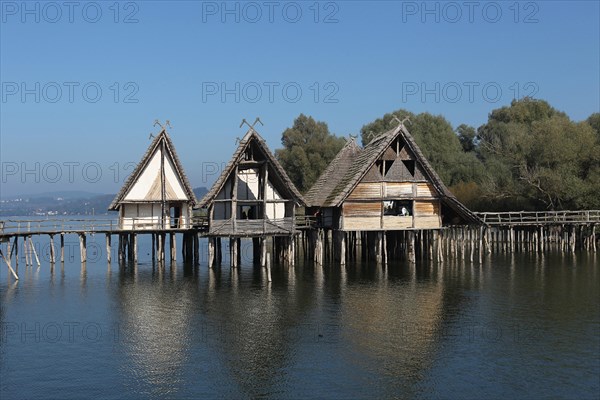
[173, 249]
[7, 261]
[82, 247]
[120, 247]
[16, 251]
[263, 251]
[196, 249]
[233, 252]
[160, 248]
[268, 267]
[211, 252]
[342, 248]
[108, 255]
[52, 255]
[32, 246]
[218, 251]
[135, 247]
[411, 247]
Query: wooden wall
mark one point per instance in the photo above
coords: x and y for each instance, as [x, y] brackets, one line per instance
[363, 209]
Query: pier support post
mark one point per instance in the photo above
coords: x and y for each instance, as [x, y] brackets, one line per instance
[108, 255]
[135, 247]
[7, 261]
[211, 252]
[233, 252]
[196, 249]
[263, 251]
[82, 247]
[342, 248]
[173, 250]
[268, 267]
[411, 247]
[37, 259]
[62, 247]
[52, 255]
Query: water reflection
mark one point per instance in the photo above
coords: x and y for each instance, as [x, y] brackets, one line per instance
[154, 315]
[517, 323]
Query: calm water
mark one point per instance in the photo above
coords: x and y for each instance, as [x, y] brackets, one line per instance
[520, 326]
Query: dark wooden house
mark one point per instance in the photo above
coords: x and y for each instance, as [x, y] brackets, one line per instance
[388, 185]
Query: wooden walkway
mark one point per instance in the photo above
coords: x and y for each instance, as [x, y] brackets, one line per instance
[537, 218]
[10, 228]
[501, 232]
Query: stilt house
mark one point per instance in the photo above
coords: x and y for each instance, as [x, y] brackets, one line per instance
[388, 185]
[157, 195]
[253, 195]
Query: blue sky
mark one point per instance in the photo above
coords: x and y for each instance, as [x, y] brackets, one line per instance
[83, 82]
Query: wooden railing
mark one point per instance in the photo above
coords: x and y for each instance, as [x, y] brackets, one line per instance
[15, 227]
[540, 217]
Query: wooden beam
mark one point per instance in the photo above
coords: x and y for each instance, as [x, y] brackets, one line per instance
[37, 259]
[234, 198]
[7, 261]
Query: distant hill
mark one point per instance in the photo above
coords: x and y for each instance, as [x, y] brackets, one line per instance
[67, 195]
[200, 192]
[63, 203]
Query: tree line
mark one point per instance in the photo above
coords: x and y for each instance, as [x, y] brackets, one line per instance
[527, 156]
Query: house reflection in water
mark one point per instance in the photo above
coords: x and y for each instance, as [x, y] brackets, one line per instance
[235, 332]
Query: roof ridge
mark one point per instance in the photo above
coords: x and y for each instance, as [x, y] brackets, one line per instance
[163, 135]
[243, 143]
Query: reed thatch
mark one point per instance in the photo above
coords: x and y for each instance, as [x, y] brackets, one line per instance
[353, 163]
[163, 136]
[276, 171]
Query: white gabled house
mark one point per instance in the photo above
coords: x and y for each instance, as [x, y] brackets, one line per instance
[157, 195]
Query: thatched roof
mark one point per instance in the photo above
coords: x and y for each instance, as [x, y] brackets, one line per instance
[352, 164]
[333, 175]
[249, 137]
[163, 136]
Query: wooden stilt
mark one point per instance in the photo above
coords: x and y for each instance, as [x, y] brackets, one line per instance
[211, 252]
[108, 254]
[233, 252]
[83, 247]
[7, 261]
[342, 248]
[32, 246]
[268, 267]
[62, 247]
[135, 247]
[173, 250]
[411, 247]
[196, 249]
[153, 251]
[52, 254]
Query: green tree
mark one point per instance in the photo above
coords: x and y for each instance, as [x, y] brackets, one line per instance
[594, 121]
[438, 142]
[467, 136]
[536, 157]
[308, 147]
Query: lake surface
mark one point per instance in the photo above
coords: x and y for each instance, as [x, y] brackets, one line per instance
[518, 326]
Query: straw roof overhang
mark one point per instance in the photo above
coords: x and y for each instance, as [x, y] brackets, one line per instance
[163, 136]
[253, 137]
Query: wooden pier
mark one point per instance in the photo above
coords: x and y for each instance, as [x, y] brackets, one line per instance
[502, 232]
[379, 203]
